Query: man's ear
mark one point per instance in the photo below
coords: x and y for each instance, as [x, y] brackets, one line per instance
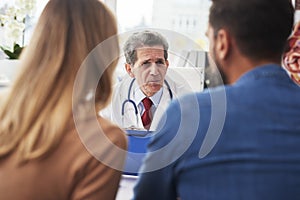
[128, 69]
[222, 44]
[167, 63]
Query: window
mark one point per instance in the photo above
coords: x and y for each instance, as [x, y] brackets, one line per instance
[185, 17]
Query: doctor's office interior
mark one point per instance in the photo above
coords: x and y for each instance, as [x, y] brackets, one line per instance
[183, 23]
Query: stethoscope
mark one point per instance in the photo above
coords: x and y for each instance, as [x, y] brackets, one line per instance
[129, 100]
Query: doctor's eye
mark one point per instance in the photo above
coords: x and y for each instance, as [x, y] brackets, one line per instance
[146, 64]
[160, 63]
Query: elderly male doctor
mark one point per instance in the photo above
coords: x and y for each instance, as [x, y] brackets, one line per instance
[141, 98]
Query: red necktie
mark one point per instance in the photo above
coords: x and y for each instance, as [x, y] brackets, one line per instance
[146, 115]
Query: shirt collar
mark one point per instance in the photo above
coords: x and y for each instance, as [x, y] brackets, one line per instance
[138, 96]
[264, 71]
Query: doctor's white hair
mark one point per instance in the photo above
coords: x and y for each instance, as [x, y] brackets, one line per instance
[142, 39]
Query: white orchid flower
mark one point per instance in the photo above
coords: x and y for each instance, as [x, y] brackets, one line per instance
[14, 21]
[14, 32]
[28, 6]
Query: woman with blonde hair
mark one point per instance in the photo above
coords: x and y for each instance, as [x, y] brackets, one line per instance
[48, 138]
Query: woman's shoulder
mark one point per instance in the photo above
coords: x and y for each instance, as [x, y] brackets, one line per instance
[96, 151]
[94, 140]
[114, 133]
[95, 135]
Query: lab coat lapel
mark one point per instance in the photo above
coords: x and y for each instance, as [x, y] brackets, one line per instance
[161, 108]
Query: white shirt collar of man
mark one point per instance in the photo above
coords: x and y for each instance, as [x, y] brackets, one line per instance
[138, 96]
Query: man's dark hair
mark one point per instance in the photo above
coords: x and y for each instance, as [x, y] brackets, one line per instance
[145, 38]
[260, 27]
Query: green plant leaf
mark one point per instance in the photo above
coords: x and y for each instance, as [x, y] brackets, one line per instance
[2, 48]
[15, 54]
[11, 55]
[18, 51]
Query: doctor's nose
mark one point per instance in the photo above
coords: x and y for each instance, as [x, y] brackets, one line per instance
[153, 69]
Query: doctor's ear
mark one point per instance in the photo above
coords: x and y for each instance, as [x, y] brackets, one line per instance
[167, 63]
[128, 69]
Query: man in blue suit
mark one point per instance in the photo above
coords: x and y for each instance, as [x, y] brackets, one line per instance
[241, 140]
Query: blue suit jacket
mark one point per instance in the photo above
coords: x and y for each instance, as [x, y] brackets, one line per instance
[231, 143]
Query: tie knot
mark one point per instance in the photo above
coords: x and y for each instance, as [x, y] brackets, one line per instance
[147, 103]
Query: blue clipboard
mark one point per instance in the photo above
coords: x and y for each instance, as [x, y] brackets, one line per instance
[137, 147]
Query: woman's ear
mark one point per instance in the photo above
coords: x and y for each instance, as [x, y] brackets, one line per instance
[128, 69]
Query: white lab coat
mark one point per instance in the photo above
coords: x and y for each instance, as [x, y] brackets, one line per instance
[114, 111]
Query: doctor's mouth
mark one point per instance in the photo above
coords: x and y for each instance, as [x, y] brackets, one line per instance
[153, 85]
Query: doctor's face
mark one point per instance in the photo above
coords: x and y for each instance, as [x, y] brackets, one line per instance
[149, 69]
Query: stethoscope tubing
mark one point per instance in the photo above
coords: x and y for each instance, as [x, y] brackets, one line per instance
[129, 100]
